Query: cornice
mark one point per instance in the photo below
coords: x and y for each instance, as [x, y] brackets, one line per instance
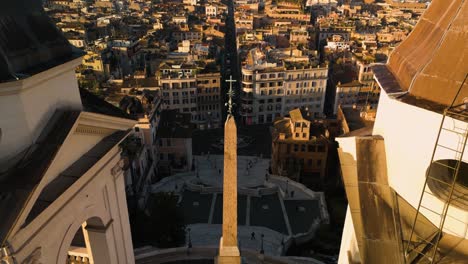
[85, 129]
[98, 122]
[15, 87]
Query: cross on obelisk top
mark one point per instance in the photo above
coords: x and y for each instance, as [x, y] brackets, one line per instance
[230, 93]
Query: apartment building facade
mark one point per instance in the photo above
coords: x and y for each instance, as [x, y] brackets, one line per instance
[299, 147]
[178, 87]
[362, 93]
[272, 91]
[190, 90]
[208, 100]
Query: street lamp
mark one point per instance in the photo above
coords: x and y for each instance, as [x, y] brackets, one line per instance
[262, 251]
[189, 238]
[209, 120]
[189, 246]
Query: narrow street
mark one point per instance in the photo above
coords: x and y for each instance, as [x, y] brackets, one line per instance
[231, 60]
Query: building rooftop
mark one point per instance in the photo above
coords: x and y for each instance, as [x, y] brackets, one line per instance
[70, 175]
[19, 181]
[318, 130]
[94, 104]
[30, 43]
[354, 124]
[431, 63]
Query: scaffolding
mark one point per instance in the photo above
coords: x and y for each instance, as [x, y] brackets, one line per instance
[423, 243]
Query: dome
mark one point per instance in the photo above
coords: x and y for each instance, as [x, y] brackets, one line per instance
[433, 61]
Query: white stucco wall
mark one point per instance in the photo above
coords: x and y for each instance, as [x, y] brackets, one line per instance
[98, 193]
[410, 135]
[26, 105]
[349, 247]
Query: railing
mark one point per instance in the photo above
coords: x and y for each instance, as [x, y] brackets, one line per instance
[425, 245]
[78, 255]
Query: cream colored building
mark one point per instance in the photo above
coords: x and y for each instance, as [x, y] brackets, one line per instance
[211, 10]
[361, 93]
[93, 60]
[270, 91]
[300, 35]
[299, 148]
[285, 10]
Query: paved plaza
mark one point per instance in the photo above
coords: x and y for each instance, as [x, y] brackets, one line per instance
[195, 207]
[206, 235]
[250, 170]
[275, 206]
[253, 140]
[241, 209]
[266, 211]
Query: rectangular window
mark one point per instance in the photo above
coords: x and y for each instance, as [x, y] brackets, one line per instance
[261, 119]
[296, 147]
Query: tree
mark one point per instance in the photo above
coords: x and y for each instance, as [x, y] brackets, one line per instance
[167, 222]
[383, 22]
[163, 228]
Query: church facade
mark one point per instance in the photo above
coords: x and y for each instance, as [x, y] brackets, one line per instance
[61, 179]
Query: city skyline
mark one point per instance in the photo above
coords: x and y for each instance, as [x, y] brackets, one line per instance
[243, 131]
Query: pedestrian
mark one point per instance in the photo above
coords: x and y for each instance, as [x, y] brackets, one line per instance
[252, 236]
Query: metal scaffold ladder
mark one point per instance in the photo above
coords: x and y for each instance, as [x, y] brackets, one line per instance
[422, 246]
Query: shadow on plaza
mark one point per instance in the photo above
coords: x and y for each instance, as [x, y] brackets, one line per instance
[254, 140]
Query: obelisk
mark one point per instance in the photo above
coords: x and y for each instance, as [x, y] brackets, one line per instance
[228, 250]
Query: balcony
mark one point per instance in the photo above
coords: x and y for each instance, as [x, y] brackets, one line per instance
[78, 255]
